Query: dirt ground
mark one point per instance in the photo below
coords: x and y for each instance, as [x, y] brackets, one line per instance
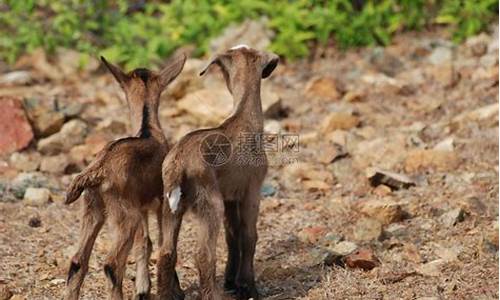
[407, 109]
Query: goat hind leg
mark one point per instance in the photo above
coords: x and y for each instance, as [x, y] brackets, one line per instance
[245, 281]
[92, 221]
[232, 232]
[142, 249]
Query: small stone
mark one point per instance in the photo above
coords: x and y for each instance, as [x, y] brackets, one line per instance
[386, 62]
[344, 248]
[432, 268]
[394, 180]
[35, 222]
[72, 110]
[25, 162]
[386, 211]
[316, 185]
[332, 153]
[382, 190]
[445, 145]
[339, 120]
[440, 56]
[14, 125]
[72, 133]
[111, 126]
[47, 123]
[423, 159]
[445, 74]
[27, 179]
[16, 78]
[57, 281]
[267, 190]
[354, 96]
[5, 292]
[363, 259]
[322, 88]
[36, 196]
[54, 164]
[395, 230]
[312, 234]
[452, 217]
[367, 229]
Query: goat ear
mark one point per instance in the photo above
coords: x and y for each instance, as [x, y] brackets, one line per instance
[119, 75]
[271, 60]
[172, 70]
[211, 63]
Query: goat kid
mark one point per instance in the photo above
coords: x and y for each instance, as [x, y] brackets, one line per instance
[196, 179]
[123, 183]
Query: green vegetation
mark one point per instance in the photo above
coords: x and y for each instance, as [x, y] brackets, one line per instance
[141, 37]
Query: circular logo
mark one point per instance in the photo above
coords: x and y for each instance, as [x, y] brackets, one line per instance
[216, 149]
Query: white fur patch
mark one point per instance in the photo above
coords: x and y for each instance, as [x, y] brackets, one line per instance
[240, 46]
[174, 197]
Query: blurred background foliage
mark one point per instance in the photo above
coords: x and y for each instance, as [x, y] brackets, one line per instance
[142, 33]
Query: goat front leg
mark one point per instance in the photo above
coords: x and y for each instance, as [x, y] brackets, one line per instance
[209, 224]
[168, 281]
[249, 211]
[92, 221]
[232, 231]
[124, 226]
[143, 248]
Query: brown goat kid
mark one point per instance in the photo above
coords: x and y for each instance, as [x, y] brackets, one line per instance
[123, 183]
[212, 173]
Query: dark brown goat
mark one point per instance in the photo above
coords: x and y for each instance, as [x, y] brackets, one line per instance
[213, 173]
[123, 183]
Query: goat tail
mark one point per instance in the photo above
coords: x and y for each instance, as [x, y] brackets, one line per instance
[86, 179]
[172, 180]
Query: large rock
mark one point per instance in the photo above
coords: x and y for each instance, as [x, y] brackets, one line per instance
[72, 133]
[424, 159]
[385, 211]
[36, 196]
[339, 120]
[324, 88]
[253, 33]
[56, 164]
[16, 132]
[212, 106]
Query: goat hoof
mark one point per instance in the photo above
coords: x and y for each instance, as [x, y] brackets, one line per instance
[245, 292]
[230, 286]
[142, 296]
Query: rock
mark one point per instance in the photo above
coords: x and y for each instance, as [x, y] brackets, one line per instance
[384, 152]
[36, 196]
[212, 106]
[25, 162]
[188, 81]
[363, 259]
[316, 186]
[423, 159]
[35, 221]
[382, 190]
[482, 113]
[385, 62]
[331, 259]
[312, 234]
[72, 133]
[478, 45]
[56, 164]
[488, 60]
[445, 145]
[45, 121]
[489, 239]
[324, 88]
[431, 269]
[445, 74]
[367, 229]
[14, 126]
[338, 137]
[111, 126]
[441, 55]
[339, 120]
[393, 180]
[452, 217]
[16, 78]
[344, 248]
[253, 33]
[331, 153]
[5, 292]
[395, 230]
[57, 281]
[267, 190]
[385, 211]
[24, 180]
[72, 110]
[353, 96]
[71, 62]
